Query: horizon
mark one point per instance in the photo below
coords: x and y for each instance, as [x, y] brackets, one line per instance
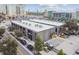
[41, 7]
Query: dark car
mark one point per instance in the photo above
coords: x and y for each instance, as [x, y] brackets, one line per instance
[12, 34]
[22, 41]
[0, 37]
[30, 47]
[77, 51]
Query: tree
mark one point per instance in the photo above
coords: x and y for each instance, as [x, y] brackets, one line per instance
[70, 26]
[11, 28]
[8, 47]
[39, 44]
[18, 33]
[60, 52]
[2, 30]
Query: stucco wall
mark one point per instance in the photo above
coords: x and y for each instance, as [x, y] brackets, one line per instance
[45, 35]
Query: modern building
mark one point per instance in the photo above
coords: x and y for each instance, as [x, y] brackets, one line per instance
[45, 14]
[18, 10]
[77, 15]
[57, 25]
[50, 15]
[6, 7]
[32, 29]
[61, 16]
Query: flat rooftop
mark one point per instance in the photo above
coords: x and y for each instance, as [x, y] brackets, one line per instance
[54, 42]
[48, 22]
[36, 27]
[70, 45]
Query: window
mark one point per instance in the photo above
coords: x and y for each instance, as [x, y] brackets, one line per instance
[29, 33]
[56, 30]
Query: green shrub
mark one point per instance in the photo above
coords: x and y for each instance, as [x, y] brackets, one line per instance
[60, 52]
[18, 33]
[2, 30]
[39, 44]
[8, 47]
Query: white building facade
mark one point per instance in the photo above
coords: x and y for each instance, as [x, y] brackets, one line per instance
[32, 30]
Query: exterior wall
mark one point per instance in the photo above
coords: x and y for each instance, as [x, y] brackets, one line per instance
[50, 15]
[33, 35]
[22, 29]
[52, 30]
[58, 28]
[74, 16]
[77, 15]
[45, 35]
[26, 34]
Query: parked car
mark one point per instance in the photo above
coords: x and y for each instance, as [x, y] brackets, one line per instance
[77, 51]
[30, 47]
[50, 46]
[22, 41]
[0, 37]
[12, 34]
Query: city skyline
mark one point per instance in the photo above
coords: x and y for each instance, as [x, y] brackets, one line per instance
[40, 7]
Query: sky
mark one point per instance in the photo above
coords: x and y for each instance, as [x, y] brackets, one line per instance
[41, 7]
[53, 7]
